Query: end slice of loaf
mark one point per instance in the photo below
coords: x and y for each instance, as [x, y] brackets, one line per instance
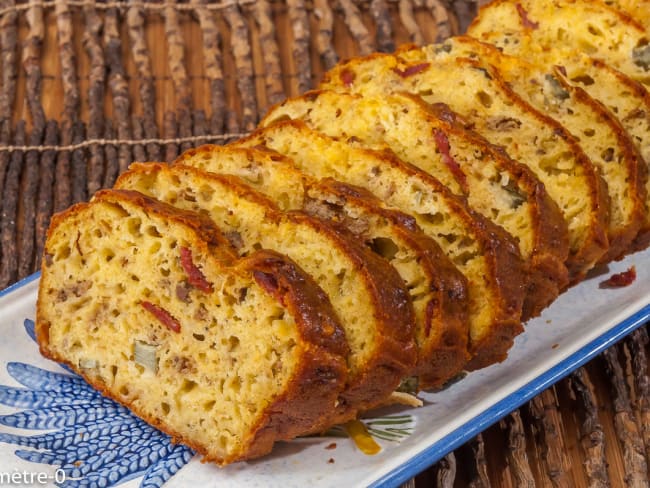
[583, 25]
[431, 138]
[600, 134]
[225, 355]
[438, 290]
[489, 105]
[487, 256]
[367, 294]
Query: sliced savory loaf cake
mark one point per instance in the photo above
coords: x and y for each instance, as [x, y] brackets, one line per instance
[438, 290]
[367, 294]
[150, 306]
[486, 255]
[431, 138]
[600, 134]
[583, 25]
[489, 106]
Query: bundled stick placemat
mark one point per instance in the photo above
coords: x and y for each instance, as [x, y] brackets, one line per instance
[87, 88]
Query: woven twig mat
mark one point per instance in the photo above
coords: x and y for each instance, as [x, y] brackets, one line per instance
[88, 87]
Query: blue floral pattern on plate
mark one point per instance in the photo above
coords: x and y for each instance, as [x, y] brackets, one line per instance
[97, 442]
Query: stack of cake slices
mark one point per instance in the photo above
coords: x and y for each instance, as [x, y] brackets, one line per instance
[394, 228]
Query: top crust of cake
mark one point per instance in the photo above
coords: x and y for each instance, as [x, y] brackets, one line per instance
[309, 377]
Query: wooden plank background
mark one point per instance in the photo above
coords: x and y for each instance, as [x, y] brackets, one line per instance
[592, 429]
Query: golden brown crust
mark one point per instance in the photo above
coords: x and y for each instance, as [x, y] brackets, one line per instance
[505, 277]
[547, 274]
[316, 383]
[622, 238]
[441, 357]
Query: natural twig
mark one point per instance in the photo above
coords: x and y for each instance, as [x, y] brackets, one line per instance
[516, 454]
[592, 435]
[142, 60]
[325, 17]
[297, 12]
[176, 59]
[138, 133]
[638, 344]
[241, 49]
[544, 410]
[407, 16]
[44, 206]
[117, 84]
[267, 37]
[352, 18]
[636, 469]
[446, 473]
[384, 34]
[29, 193]
[110, 154]
[9, 215]
[8, 53]
[213, 59]
[97, 71]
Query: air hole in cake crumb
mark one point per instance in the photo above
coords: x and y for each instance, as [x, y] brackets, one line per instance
[124, 390]
[173, 244]
[233, 343]
[164, 406]
[188, 386]
[62, 252]
[188, 195]
[235, 384]
[165, 272]
[199, 337]
[133, 226]
[135, 278]
[589, 132]
[435, 219]
[114, 371]
[115, 312]
[155, 247]
[207, 406]
[484, 98]
[385, 247]
[206, 193]
[593, 30]
[152, 231]
[584, 80]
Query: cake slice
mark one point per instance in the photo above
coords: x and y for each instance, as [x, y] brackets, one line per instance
[431, 138]
[586, 26]
[490, 107]
[367, 294]
[438, 290]
[150, 306]
[487, 256]
[639, 10]
[600, 134]
[627, 99]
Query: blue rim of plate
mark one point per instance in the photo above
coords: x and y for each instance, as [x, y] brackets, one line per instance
[20, 283]
[491, 415]
[500, 409]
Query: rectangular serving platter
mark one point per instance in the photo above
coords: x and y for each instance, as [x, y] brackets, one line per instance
[581, 323]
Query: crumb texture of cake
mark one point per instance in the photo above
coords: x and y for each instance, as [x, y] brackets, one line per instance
[367, 294]
[484, 253]
[602, 136]
[438, 290]
[147, 303]
[583, 25]
[625, 98]
[490, 107]
[432, 138]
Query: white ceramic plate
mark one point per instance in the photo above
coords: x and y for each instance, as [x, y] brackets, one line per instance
[49, 418]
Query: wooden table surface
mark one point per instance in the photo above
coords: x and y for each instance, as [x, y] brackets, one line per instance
[77, 76]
